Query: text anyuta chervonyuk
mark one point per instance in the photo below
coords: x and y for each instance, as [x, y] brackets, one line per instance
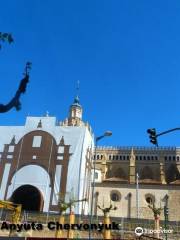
[57, 226]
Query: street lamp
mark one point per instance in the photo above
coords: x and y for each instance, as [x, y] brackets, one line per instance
[137, 195]
[106, 134]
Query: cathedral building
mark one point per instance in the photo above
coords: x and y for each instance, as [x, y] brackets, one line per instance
[46, 159]
[131, 178]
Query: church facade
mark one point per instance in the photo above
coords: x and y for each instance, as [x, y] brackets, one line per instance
[45, 160]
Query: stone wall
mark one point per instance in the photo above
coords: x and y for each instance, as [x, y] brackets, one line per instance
[127, 203]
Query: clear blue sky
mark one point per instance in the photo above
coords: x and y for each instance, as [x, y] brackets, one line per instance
[125, 53]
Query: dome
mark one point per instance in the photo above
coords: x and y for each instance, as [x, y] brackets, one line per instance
[76, 102]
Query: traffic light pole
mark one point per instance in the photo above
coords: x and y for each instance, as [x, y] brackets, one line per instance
[166, 213]
[153, 135]
[168, 131]
[165, 221]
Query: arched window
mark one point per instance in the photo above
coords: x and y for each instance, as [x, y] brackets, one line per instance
[172, 174]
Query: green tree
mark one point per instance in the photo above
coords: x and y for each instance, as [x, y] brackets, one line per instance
[5, 37]
[15, 101]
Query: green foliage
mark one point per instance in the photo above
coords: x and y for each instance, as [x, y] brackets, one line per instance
[6, 37]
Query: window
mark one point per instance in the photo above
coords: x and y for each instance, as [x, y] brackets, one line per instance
[109, 157]
[34, 157]
[11, 149]
[169, 158]
[59, 157]
[174, 158]
[140, 158]
[37, 141]
[144, 158]
[120, 157]
[9, 156]
[152, 157]
[128, 157]
[60, 149]
[136, 157]
[124, 157]
[113, 157]
[150, 199]
[116, 157]
[165, 158]
[177, 158]
[115, 196]
[96, 175]
[148, 157]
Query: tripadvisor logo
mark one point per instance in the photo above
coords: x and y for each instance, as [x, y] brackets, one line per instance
[139, 231]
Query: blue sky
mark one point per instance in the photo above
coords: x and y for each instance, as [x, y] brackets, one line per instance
[125, 53]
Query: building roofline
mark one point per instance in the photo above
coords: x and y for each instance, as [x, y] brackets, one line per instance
[171, 148]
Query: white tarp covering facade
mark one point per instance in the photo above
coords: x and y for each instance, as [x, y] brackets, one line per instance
[78, 178]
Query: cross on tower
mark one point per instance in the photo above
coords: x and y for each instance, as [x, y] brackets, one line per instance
[77, 87]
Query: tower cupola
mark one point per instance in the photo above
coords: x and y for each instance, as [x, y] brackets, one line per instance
[75, 111]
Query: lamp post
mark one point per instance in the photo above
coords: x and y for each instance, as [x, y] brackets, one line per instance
[106, 134]
[137, 195]
[166, 213]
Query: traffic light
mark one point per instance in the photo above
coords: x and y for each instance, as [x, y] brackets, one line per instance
[166, 211]
[152, 136]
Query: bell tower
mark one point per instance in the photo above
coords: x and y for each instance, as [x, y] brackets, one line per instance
[75, 110]
[75, 113]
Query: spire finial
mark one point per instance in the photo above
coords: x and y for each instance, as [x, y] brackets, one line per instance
[76, 99]
[77, 87]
